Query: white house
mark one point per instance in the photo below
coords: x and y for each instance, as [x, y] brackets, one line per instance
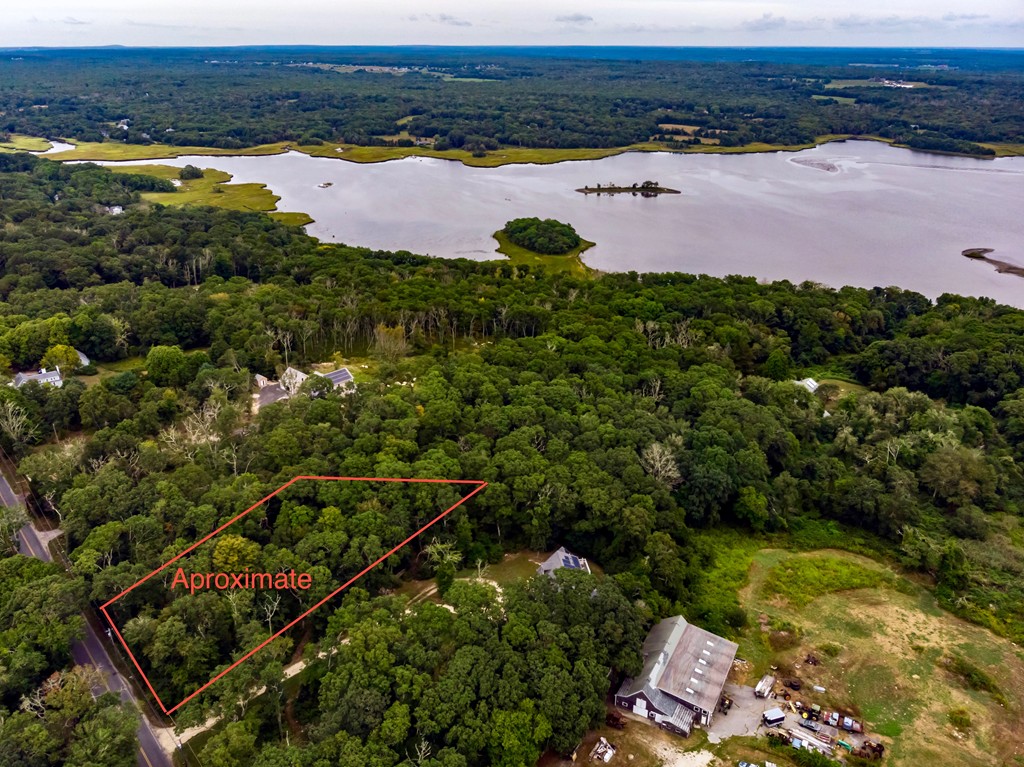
[292, 379]
[44, 377]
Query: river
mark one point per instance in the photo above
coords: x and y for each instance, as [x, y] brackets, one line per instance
[848, 213]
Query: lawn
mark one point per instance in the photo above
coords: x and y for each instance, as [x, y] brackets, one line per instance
[108, 369]
[213, 189]
[844, 387]
[569, 262]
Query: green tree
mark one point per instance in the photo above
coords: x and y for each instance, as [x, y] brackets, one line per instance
[167, 366]
[61, 356]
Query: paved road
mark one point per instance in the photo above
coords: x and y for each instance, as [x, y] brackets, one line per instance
[90, 651]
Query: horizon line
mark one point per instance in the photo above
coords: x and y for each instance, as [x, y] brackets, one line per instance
[119, 46]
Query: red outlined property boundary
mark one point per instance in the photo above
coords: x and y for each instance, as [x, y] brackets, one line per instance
[479, 485]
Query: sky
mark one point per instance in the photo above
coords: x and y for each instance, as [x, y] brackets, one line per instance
[900, 23]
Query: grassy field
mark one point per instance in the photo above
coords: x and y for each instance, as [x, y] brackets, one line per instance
[114, 151]
[1006, 150]
[569, 262]
[213, 189]
[840, 99]
[887, 651]
[505, 156]
[845, 387]
[512, 155]
[18, 143]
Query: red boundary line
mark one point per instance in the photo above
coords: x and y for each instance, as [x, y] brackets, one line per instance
[480, 485]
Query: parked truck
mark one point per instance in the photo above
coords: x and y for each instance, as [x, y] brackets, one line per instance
[851, 725]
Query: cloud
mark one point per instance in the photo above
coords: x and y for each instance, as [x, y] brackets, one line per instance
[855, 23]
[187, 27]
[766, 23]
[575, 18]
[965, 16]
[660, 29]
[75, 22]
[440, 18]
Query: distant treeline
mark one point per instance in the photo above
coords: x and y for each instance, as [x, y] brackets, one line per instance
[236, 99]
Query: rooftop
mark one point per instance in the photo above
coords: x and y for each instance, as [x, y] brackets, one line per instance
[563, 558]
[338, 377]
[44, 376]
[686, 662]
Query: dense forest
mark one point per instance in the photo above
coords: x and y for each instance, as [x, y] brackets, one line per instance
[478, 99]
[619, 416]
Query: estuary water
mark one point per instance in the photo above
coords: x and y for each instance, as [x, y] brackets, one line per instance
[851, 213]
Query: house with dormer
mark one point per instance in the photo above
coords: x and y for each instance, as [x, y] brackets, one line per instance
[43, 377]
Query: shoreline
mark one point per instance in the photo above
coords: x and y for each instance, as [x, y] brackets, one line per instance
[571, 262]
[117, 152]
[1001, 267]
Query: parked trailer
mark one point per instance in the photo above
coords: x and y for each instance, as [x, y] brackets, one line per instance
[765, 686]
[773, 717]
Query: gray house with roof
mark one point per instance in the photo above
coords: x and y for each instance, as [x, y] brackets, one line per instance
[562, 558]
[685, 669]
[44, 378]
[340, 378]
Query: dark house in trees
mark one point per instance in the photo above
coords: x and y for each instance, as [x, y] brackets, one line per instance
[685, 669]
[563, 558]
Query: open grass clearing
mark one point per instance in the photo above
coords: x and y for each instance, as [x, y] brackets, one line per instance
[493, 159]
[568, 262]
[885, 653]
[839, 99]
[17, 143]
[116, 151]
[1006, 150]
[687, 129]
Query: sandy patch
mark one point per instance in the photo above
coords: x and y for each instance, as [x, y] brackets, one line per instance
[673, 757]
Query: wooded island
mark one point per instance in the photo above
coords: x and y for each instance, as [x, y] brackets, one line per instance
[644, 189]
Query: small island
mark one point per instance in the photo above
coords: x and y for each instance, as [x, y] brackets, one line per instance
[643, 189]
[1002, 267]
[554, 245]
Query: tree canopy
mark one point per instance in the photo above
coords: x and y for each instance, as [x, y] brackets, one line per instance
[542, 236]
[620, 416]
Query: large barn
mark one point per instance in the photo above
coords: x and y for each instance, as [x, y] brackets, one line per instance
[685, 668]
